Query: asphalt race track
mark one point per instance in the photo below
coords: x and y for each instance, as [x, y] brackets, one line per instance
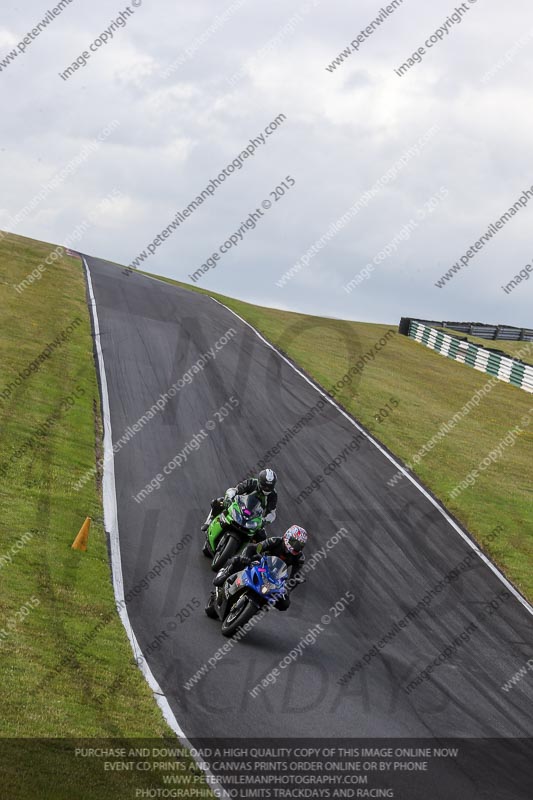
[398, 546]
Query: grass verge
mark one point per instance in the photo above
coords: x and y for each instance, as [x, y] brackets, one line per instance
[66, 667]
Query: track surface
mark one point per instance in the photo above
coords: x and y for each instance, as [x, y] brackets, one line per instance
[399, 546]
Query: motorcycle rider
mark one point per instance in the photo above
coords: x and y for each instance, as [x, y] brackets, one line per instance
[264, 486]
[288, 547]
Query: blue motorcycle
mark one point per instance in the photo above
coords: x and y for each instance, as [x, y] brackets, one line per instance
[245, 593]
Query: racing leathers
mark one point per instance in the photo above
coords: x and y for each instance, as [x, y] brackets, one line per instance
[268, 501]
[273, 546]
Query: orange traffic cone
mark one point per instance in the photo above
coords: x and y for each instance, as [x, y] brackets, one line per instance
[80, 542]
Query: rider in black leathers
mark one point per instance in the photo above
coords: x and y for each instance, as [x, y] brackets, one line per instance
[263, 486]
[288, 547]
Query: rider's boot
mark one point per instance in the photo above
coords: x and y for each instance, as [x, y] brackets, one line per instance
[223, 573]
[216, 507]
[210, 607]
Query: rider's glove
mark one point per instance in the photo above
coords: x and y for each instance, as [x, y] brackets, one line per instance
[245, 561]
[270, 517]
[230, 494]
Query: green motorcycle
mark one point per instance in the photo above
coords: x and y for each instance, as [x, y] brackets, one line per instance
[243, 518]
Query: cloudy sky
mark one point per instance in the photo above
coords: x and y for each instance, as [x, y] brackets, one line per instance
[178, 90]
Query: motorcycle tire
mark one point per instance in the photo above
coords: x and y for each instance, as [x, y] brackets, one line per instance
[224, 552]
[240, 613]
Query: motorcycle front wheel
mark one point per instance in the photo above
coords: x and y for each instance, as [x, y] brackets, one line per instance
[241, 612]
[225, 550]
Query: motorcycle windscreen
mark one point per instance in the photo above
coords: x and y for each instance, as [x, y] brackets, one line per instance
[276, 569]
[251, 509]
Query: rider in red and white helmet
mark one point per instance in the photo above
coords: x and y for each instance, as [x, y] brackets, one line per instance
[288, 547]
[294, 540]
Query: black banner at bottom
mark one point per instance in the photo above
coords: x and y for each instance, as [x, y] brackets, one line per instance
[405, 769]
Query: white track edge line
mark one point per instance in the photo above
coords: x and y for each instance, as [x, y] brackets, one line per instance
[522, 600]
[376, 444]
[111, 526]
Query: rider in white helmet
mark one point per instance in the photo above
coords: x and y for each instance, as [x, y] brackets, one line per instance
[264, 486]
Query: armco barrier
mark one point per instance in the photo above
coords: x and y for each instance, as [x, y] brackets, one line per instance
[502, 367]
[482, 331]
